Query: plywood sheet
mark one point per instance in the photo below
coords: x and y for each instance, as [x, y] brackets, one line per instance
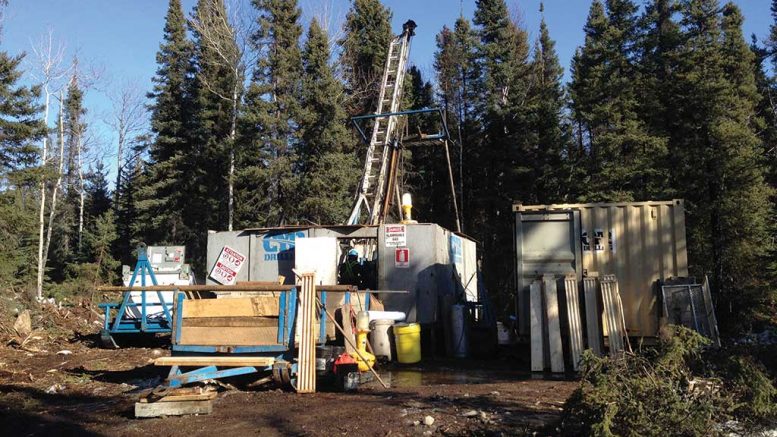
[554, 325]
[238, 307]
[228, 336]
[592, 316]
[537, 336]
[573, 320]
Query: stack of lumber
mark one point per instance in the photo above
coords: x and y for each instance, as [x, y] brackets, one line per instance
[178, 402]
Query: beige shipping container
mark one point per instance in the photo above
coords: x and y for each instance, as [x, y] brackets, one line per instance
[639, 242]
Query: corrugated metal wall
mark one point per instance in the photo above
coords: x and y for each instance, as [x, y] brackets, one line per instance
[639, 242]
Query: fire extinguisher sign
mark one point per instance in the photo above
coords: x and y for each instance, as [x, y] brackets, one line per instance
[402, 257]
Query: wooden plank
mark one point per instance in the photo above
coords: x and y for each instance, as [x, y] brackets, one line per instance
[228, 336]
[592, 316]
[233, 322]
[611, 315]
[306, 350]
[225, 361]
[554, 326]
[178, 408]
[238, 307]
[573, 320]
[206, 396]
[536, 331]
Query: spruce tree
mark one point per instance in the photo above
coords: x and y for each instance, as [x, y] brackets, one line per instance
[327, 165]
[215, 84]
[499, 153]
[549, 180]
[364, 48]
[717, 163]
[267, 188]
[20, 128]
[163, 199]
[457, 73]
[625, 162]
[98, 196]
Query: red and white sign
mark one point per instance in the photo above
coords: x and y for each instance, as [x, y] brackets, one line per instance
[402, 257]
[227, 266]
[395, 235]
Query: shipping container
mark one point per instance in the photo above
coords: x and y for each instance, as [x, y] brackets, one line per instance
[638, 242]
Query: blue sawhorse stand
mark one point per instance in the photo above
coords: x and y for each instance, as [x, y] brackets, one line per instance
[124, 323]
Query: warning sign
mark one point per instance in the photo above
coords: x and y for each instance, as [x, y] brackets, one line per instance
[396, 236]
[402, 257]
[227, 266]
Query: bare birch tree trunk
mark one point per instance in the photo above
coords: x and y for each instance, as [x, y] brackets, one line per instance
[80, 190]
[60, 173]
[42, 211]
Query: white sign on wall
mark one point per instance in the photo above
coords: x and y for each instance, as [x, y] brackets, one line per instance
[395, 235]
[227, 266]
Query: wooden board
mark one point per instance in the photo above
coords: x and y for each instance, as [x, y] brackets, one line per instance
[237, 307]
[234, 322]
[229, 336]
[536, 332]
[592, 316]
[554, 325]
[182, 394]
[306, 350]
[573, 321]
[224, 361]
[176, 408]
[611, 315]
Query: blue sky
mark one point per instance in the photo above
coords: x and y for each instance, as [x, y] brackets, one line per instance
[122, 36]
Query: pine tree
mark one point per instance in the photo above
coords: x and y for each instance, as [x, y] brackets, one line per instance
[267, 191]
[163, 202]
[327, 164]
[364, 48]
[717, 163]
[20, 128]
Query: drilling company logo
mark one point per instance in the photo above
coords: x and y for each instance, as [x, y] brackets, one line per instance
[280, 247]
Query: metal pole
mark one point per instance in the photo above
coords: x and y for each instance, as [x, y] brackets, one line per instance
[453, 187]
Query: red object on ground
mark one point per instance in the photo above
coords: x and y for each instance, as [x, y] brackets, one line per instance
[344, 359]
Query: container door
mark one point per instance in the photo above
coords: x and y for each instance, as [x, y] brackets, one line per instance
[546, 242]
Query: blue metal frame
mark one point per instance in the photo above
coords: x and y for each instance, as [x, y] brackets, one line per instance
[120, 324]
[443, 135]
[282, 351]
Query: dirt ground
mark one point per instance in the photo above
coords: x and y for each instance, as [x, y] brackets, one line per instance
[44, 390]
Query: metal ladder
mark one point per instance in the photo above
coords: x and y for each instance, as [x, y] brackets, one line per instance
[373, 187]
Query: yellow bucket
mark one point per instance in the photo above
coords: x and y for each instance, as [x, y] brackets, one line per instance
[408, 341]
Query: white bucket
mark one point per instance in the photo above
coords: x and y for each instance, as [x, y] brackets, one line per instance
[380, 338]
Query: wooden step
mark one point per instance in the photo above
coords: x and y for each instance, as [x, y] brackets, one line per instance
[215, 361]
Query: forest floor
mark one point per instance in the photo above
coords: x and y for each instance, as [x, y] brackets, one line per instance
[60, 382]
